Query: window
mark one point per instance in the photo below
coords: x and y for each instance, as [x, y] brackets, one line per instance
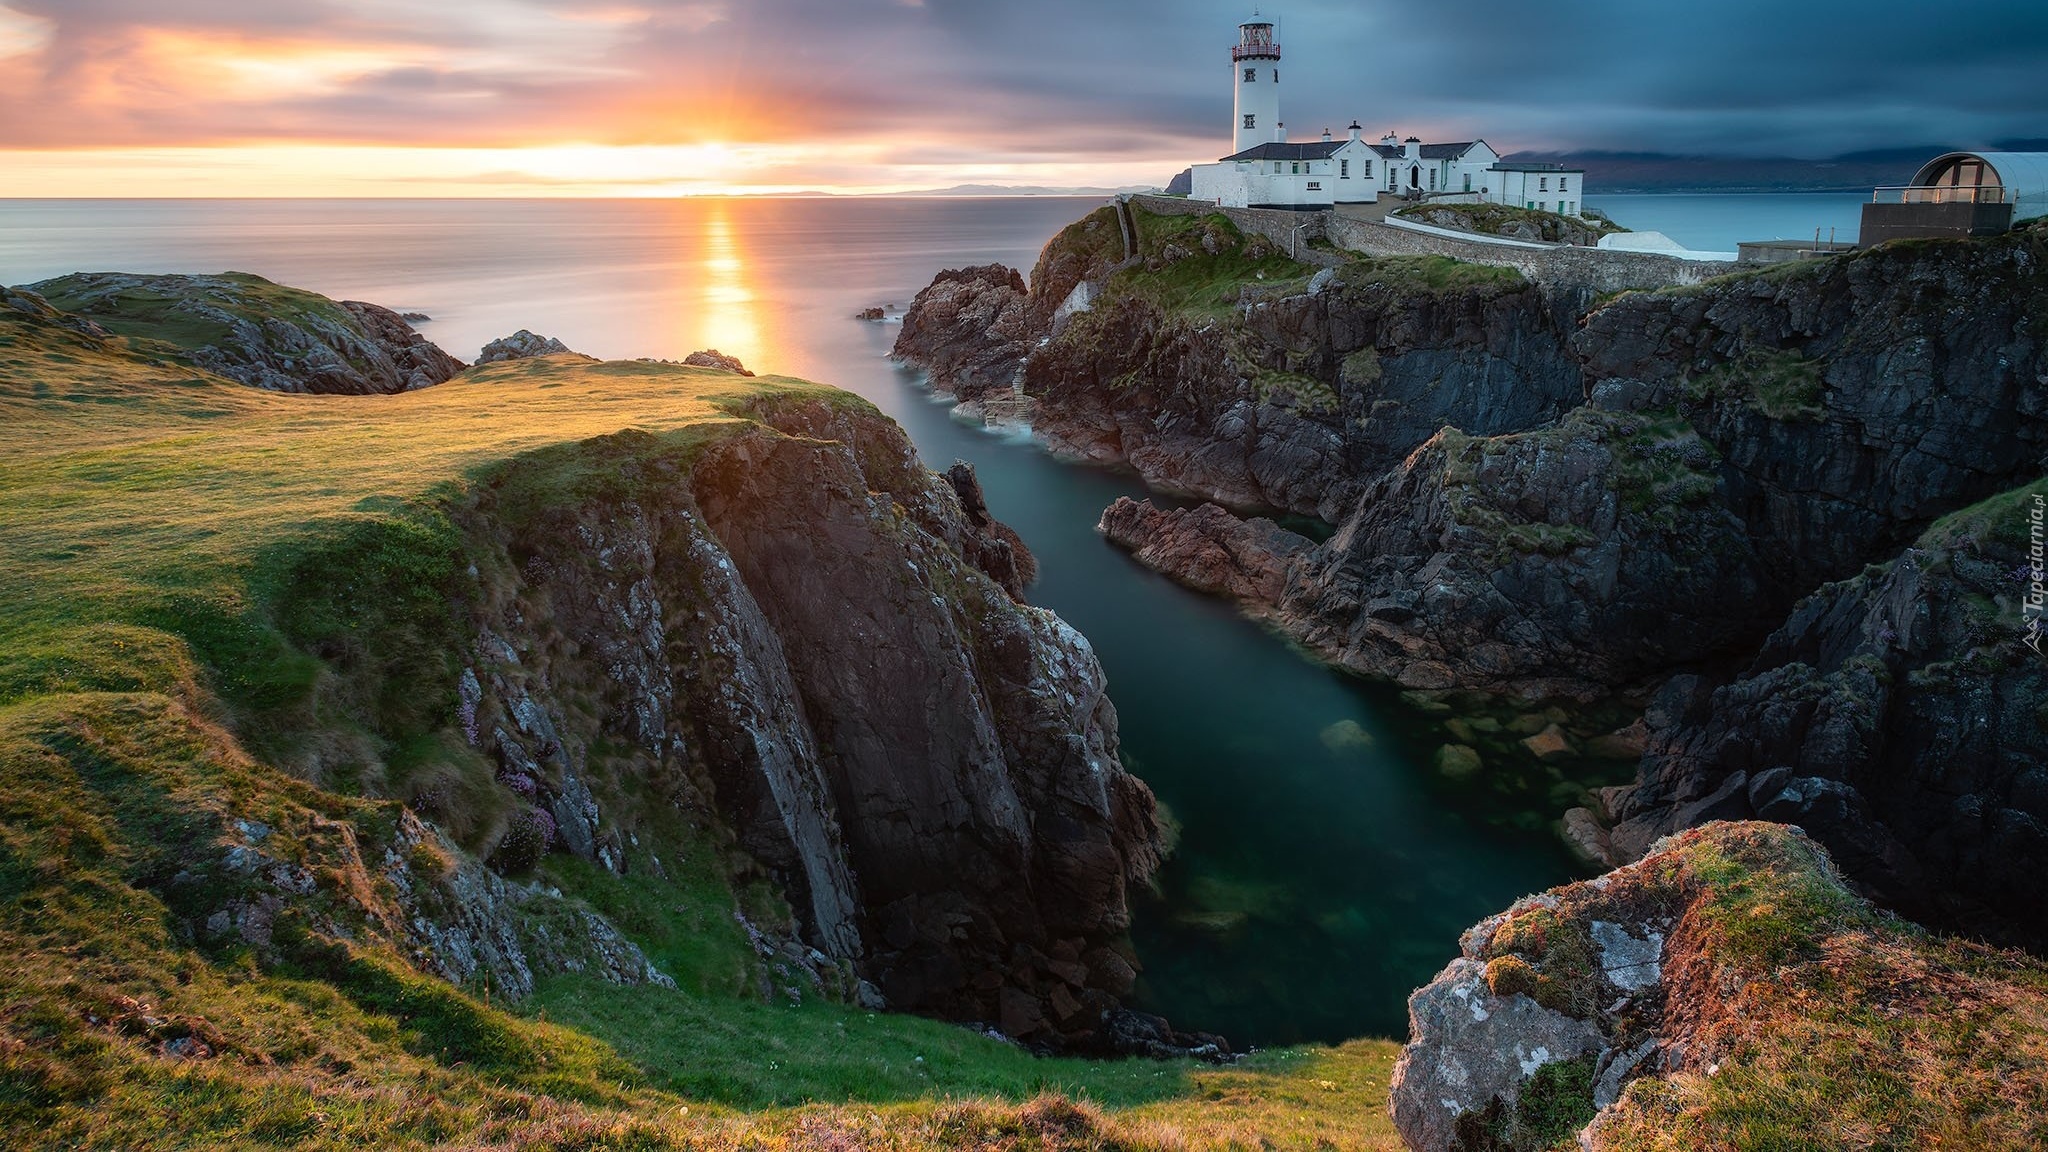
[1315, 185]
[1276, 75]
[1251, 120]
[1251, 75]
[1344, 169]
[1543, 184]
[1432, 179]
[1560, 185]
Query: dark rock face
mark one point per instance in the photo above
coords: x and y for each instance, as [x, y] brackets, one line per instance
[1853, 400]
[1296, 402]
[795, 626]
[1647, 495]
[1901, 718]
[970, 328]
[262, 334]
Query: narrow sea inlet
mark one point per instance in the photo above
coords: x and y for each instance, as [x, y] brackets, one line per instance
[1323, 871]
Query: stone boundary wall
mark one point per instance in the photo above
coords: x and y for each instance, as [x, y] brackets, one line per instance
[1594, 270]
[1566, 266]
[1274, 224]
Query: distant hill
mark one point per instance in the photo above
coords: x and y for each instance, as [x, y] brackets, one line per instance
[1664, 172]
[1025, 190]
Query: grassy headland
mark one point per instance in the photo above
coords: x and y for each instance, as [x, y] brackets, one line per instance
[213, 600]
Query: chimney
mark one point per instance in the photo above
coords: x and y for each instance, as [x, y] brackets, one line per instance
[1326, 135]
[1355, 131]
[1412, 148]
[1390, 140]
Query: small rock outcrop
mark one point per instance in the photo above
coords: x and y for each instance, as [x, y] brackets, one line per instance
[713, 358]
[970, 329]
[1207, 548]
[1726, 984]
[262, 334]
[523, 345]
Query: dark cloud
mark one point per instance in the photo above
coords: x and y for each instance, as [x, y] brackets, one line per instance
[1051, 77]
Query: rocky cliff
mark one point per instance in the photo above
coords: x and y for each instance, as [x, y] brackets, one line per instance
[1728, 990]
[746, 672]
[790, 622]
[248, 329]
[1547, 509]
[1899, 716]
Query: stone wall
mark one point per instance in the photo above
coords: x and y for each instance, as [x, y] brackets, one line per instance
[1566, 266]
[1594, 270]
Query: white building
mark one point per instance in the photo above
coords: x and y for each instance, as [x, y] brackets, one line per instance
[1265, 170]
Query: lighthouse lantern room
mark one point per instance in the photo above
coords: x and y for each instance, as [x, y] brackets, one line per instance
[1255, 65]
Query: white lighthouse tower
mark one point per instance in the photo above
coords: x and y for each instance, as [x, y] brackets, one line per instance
[1255, 72]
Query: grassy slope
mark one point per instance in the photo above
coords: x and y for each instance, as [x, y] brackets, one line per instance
[161, 532]
[1841, 1027]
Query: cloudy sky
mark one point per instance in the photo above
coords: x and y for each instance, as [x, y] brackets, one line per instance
[525, 97]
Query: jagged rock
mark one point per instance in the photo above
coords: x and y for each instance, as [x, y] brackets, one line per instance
[1898, 716]
[828, 637]
[1609, 1013]
[970, 328]
[713, 358]
[523, 345]
[31, 304]
[250, 330]
[1207, 548]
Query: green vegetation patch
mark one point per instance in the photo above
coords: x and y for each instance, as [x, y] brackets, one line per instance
[178, 551]
[1200, 266]
[1782, 384]
[187, 312]
[1430, 275]
[1507, 220]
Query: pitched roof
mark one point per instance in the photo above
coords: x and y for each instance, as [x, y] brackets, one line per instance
[1429, 151]
[1320, 150]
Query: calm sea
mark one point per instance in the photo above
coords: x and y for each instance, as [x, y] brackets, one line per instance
[1718, 222]
[1323, 872]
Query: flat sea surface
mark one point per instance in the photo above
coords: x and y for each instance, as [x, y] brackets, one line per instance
[1717, 222]
[1323, 870]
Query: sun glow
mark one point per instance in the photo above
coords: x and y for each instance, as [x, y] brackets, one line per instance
[731, 323]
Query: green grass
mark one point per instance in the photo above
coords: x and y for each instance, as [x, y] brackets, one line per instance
[2004, 519]
[203, 585]
[1839, 1026]
[159, 316]
[1194, 282]
[1495, 219]
[1430, 275]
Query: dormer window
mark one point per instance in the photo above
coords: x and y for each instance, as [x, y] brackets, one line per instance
[1251, 75]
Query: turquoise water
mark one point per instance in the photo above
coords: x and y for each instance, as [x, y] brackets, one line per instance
[1322, 873]
[1718, 222]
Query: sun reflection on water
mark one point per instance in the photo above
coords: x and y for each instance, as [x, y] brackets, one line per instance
[731, 321]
